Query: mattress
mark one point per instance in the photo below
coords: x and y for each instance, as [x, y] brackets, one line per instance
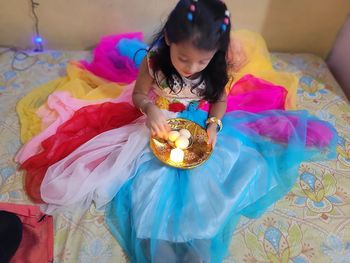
[310, 224]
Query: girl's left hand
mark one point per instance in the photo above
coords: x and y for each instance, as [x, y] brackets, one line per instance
[212, 133]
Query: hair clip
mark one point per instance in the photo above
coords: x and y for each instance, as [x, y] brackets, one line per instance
[190, 16]
[226, 21]
[192, 9]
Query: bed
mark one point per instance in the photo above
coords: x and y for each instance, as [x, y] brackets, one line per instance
[310, 224]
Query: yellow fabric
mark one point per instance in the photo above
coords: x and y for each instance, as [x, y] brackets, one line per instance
[249, 55]
[79, 82]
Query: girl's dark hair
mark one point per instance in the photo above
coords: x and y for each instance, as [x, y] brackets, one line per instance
[205, 32]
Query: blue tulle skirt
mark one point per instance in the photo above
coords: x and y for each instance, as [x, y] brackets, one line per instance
[164, 214]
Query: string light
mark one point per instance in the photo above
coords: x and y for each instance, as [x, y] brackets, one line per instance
[37, 40]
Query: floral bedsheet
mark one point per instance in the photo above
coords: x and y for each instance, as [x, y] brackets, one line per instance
[310, 224]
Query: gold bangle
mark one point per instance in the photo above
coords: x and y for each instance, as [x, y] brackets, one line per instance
[215, 120]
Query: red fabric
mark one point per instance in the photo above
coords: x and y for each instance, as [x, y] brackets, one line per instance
[176, 107]
[37, 237]
[85, 124]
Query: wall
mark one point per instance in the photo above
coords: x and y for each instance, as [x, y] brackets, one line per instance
[339, 58]
[295, 26]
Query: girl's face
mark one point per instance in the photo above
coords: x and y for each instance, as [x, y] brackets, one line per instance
[189, 60]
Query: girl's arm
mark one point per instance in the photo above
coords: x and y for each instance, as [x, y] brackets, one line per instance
[155, 118]
[217, 110]
[142, 87]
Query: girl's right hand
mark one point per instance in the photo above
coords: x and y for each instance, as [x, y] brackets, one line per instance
[157, 122]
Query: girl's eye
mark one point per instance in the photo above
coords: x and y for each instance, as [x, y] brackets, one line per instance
[183, 60]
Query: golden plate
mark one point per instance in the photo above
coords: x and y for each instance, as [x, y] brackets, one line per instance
[197, 152]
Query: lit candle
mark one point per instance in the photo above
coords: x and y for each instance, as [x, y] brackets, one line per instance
[177, 155]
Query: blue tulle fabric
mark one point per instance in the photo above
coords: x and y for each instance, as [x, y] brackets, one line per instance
[135, 49]
[164, 214]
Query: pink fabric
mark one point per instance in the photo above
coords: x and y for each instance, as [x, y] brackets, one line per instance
[254, 95]
[37, 237]
[109, 64]
[59, 108]
[279, 129]
[318, 134]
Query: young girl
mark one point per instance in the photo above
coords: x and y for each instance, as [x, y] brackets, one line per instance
[163, 214]
[187, 62]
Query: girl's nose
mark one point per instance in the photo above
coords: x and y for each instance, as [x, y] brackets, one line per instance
[191, 69]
